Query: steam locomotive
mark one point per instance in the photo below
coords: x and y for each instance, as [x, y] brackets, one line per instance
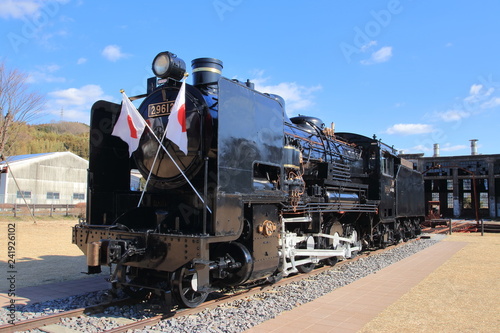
[257, 197]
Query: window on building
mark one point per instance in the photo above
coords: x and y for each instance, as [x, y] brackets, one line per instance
[483, 200]
[449, 184]
[467, 184]
[78, 196]
[387, 164]
[467, 201]
[435, 185]
[435, 196]
[24, 194]
[450, 200]
[53, 195]
[478, 167]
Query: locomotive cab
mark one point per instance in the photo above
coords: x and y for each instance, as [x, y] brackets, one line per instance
[395, 186]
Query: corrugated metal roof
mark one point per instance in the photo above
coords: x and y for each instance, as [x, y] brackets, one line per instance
[18, 158]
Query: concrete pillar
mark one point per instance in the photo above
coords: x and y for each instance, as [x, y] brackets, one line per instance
[491, 189]
[457, 208]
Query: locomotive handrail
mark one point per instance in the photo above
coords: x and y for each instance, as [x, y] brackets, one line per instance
[332, 207]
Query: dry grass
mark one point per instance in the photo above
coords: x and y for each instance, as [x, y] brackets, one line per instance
[44, 252]
[463, 295]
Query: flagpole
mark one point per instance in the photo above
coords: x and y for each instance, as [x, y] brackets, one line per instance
[160, 142]
[178, 168]
[149, 177]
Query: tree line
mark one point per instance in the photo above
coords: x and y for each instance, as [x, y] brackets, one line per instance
[47, 138]
[20, 105]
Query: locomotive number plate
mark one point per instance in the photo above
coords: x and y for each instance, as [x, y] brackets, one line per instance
[160, 109]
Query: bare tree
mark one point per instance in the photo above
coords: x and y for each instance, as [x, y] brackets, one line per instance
[18, 104]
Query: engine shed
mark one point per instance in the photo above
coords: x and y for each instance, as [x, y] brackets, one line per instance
[463, 185]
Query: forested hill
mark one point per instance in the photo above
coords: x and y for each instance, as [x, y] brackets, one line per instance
[47, 138]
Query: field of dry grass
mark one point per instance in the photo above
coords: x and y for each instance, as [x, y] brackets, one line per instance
[463, 295]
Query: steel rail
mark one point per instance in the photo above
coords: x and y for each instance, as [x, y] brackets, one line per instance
[38, 322]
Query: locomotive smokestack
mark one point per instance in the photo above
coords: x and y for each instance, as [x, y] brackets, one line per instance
[436, 150]
[206, 70]
[473, 147]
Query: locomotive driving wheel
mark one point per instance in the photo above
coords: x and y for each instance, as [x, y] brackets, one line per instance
[398, 232]
[332, 228]
[308, 267]
[134, 280]
[185, 288]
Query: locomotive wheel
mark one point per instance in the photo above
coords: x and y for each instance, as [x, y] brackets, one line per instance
[331, 229]
[134, 276]
[309, 243]
[383, 234]
[357, 243]
[398, 234]
[416, 227]
[184, 285]
[408, 230]
[332, 261]
[306, 268]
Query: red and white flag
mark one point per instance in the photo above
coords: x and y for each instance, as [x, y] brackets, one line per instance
[176, 126]
[130, 125]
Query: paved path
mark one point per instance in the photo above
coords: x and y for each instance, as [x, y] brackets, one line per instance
[30, 295]
[349, 308]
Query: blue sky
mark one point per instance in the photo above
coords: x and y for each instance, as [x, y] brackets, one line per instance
[412, 72]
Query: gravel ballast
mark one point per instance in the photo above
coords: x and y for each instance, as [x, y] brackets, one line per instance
[236, 316]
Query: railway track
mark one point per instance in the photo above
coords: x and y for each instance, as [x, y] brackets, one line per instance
[39, 322]
[456, 226]
[464, 226]
[126, 325]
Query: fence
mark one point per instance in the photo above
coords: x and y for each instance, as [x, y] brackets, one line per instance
[18, 210]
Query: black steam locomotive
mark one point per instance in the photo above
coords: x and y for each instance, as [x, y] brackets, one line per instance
[258, 196]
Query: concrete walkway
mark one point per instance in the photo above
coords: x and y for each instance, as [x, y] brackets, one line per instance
[42, 293]
[349, 308]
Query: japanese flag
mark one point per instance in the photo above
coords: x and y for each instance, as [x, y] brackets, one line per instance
[130, 125]
[176, 126]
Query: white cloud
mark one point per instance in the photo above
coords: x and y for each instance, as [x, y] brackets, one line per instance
[382, 55]
[478, 99]
[368, 45]
[419, 148]
[113, 53]
[449, 147]
[45, 74]
[75, 103]
[493, 102]
[452, 115]
[81, 61]
[475, 89]
[409, 129]
[430, 148]
[477, 93]
[18, 8]
[77, 96]
[297, 97]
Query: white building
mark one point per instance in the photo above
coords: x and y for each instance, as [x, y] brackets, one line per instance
[48, 178]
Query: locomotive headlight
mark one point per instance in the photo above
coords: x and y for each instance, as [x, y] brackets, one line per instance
[168, 65]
